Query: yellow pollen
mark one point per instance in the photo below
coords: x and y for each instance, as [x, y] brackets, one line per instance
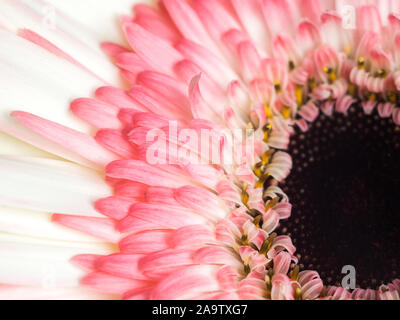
[271, 239]
[268, 112]
[266, 157]
[312, 84]
[392, 97]
[260, 183]
[372, 96]
[245, 197]
[352, 90]
[246, 265]
[299, 95]
[298, 294]
[267, 132]
[327, 69]
[286, 112]
[277, 86]
[268, 280]
[266, 246]
[295, 274]
[361, 63]
[384, 289]
[266, 136]
[257, 221]
[272, 203]
[347, 49]
[381, 73]
[245, 240]
[258, 170]
[332, 77]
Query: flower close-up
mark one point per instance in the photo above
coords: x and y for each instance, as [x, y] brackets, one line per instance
[200, 149]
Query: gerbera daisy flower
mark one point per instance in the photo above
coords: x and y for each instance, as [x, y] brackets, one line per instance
[249, 150]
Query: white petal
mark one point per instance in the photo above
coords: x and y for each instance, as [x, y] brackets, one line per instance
[14, 147]
[73, 248]
[39, 293]
[36, 81]
[31, 272]
[50, 186]
[67, 34]
[39, 225]
[33, 80]
[23, 263]
[100, 16]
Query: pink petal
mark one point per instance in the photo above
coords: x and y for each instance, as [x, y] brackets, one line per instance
[251, 15]
[130, 189]
[141, 172]
[200, 108]
[118, 98]
[215, 255]
[369, 19]
[70, 139]
[282, 263]
[103, 282]
[169, 88]
[49, 46]
[115, 141]
[153, 21]
[114, 207]
[149, 46]
[161, 196]
[156, 103]
[212, 65]
[146, 242]
[97, 227]
[200, 200]
[167, 217]
[131, 62]
[192, 236]
[86, 261]
[163, 263]
[121, 265]
[187, 21]
[112, 49]
[276, 11]
[215, 17]
[250, 60]
[186, 283]
[98, 114]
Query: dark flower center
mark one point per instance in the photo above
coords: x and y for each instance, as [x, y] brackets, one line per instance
[345, 191]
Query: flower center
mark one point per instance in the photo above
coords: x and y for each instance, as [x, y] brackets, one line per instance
[344, 190]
